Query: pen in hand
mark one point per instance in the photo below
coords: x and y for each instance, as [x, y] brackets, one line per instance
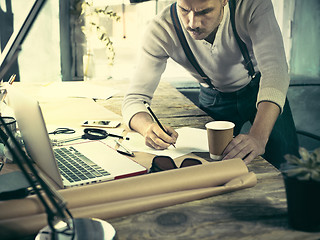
[156, 119]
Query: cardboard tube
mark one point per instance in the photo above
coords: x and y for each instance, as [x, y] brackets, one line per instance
[171, 181]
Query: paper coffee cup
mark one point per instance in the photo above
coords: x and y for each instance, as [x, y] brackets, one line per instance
[220, 134]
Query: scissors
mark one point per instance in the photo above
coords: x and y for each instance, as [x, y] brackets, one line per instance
[91, 134]
[63, 131]
[97, 134]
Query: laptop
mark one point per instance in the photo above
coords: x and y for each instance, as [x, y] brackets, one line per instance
[100, 161]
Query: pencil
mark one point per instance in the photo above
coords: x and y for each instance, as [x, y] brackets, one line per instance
[156, 119]
[126, 152]
[12, 78]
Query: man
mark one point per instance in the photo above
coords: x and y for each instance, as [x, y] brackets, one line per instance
[236, 96]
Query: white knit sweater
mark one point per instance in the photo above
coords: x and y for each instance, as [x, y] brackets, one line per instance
[222, 61]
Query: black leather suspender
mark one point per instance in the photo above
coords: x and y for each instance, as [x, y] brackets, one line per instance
[241, 44]
[185, 45]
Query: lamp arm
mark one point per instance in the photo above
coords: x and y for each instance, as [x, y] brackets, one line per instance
[58, 204]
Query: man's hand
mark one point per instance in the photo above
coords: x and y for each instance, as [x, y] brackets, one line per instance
[154, 137]
[158, 139]
[246, 147]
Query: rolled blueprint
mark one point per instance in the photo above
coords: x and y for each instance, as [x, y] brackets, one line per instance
[132, 195]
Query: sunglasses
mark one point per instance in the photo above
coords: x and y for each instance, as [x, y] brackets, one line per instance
[162, 163]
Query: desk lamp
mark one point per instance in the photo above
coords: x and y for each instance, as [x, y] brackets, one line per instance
[61, 224]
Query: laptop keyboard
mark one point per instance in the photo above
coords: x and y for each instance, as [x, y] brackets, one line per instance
[76, 167]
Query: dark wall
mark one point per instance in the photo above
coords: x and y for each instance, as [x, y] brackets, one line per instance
[305, 53]
[304, 92]
[6, 30]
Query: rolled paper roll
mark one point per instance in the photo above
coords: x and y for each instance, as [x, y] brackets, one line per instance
[132, 195]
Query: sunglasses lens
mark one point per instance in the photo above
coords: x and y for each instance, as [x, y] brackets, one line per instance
[162, 163]
[190, 162]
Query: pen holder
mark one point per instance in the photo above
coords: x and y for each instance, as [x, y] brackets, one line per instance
[3, 94]
[12, 125]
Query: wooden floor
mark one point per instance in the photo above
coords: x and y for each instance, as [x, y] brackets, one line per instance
[166, 100]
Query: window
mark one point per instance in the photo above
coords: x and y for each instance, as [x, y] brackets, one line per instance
[39, 59]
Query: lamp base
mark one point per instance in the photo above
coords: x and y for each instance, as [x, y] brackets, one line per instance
[84, 229]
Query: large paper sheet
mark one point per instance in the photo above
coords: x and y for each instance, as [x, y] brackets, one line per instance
[74, 111]
[189, 140]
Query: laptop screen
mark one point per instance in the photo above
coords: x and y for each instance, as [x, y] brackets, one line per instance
[11, 50]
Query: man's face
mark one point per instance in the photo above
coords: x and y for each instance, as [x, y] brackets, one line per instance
[201, 17]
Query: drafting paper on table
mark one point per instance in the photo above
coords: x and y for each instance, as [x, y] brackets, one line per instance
[73, 111]
[189, 140]
[78, 89]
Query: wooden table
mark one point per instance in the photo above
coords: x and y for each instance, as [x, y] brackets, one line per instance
[254, 213]
[169, 105]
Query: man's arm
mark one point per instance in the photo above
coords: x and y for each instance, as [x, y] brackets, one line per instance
[267, 45]
[143, 123]
[248, 146]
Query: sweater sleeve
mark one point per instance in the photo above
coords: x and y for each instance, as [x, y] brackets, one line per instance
[151, 64]
[268, 50]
